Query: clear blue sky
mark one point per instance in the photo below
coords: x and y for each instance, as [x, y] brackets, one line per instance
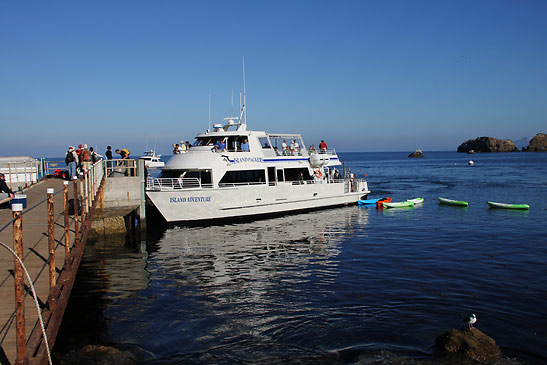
[363, 75]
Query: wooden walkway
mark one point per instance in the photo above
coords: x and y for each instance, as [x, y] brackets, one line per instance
[36, 254]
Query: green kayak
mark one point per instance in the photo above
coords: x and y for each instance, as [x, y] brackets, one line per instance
[458, 203]
[406, 204]
[416, 200]
[508, 206]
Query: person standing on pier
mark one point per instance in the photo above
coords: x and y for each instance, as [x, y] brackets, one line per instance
[71, 159]
[86, 158]
[108, 155]
[124, 153]
[5, 192]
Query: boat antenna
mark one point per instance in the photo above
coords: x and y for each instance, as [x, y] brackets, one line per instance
[243, 109]
[209, 111]
[232, 111]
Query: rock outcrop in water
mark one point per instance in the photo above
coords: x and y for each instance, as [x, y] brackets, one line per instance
[488, 144]
[417, 153]
[538, 143]
[470, 343]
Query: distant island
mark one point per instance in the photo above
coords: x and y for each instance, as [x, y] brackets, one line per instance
[489, 144]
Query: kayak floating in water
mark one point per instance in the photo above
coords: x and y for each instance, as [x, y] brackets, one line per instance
[416, 200]
[368, 201]
[508, 206]
[380, 203]
[406, 204]
[459, 203]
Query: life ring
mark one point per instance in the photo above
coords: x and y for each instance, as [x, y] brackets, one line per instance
[318, 173]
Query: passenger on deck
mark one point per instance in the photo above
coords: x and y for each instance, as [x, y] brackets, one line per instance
[323, 146]
[296, 148]
[245, 145]
[220, 146]
[182, 147]
[284, 148]
[312, 149]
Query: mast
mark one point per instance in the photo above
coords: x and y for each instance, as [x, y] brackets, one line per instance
[209, 111]
[243, 109]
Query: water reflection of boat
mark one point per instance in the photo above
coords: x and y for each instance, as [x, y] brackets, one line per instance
[258, 248]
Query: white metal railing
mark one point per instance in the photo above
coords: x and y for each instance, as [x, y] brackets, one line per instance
[166, 184]
[170, 184]
[19, 174]
[120, 167]
[232, 185]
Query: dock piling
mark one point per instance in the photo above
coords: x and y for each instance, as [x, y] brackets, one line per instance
[51, 237]
[21, 338]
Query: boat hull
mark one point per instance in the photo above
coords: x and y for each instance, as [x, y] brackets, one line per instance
[217, 203]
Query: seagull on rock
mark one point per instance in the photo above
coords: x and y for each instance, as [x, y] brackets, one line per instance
[471, 320]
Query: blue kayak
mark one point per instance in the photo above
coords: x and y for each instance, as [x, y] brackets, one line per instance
[368, 201]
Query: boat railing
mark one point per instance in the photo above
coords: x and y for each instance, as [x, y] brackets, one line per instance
[167, 184]
[331, 151]
[233, 185]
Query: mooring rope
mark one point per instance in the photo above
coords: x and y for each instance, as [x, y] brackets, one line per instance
[35, 300]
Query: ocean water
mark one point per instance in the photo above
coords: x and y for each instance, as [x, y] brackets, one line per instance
[342, 285]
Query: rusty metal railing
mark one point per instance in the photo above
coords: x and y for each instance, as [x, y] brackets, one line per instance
[34, 349]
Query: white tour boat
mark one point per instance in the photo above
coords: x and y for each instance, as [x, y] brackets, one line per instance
[231, 172]
[151, 159]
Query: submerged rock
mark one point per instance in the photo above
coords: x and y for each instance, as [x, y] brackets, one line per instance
[538, 143]
[471, 343]
[488, 144]
[417, 153]
[123, 354]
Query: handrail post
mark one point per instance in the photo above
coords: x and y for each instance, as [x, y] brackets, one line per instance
[85, 192]
[10, 176]
[51, 237]
[76, 234]
[89, 189]
[21, 339]
[67, 222]
[84, 203]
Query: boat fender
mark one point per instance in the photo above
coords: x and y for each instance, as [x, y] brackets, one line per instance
[318, 173]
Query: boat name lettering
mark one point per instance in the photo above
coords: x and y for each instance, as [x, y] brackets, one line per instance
[247, 159]
[190, 199]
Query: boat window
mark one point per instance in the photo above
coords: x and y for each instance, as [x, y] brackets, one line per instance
[241, 142]
[280, 177]
[297, 174]
[287, 145]
[271, 175]
[244, 176]
[203, 175]
[265, 143]
[204, 141]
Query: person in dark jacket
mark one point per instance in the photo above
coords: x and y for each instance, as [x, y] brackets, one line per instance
[108, 155]
[5, 192]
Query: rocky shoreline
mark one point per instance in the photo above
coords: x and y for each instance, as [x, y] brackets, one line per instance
[489, 144]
